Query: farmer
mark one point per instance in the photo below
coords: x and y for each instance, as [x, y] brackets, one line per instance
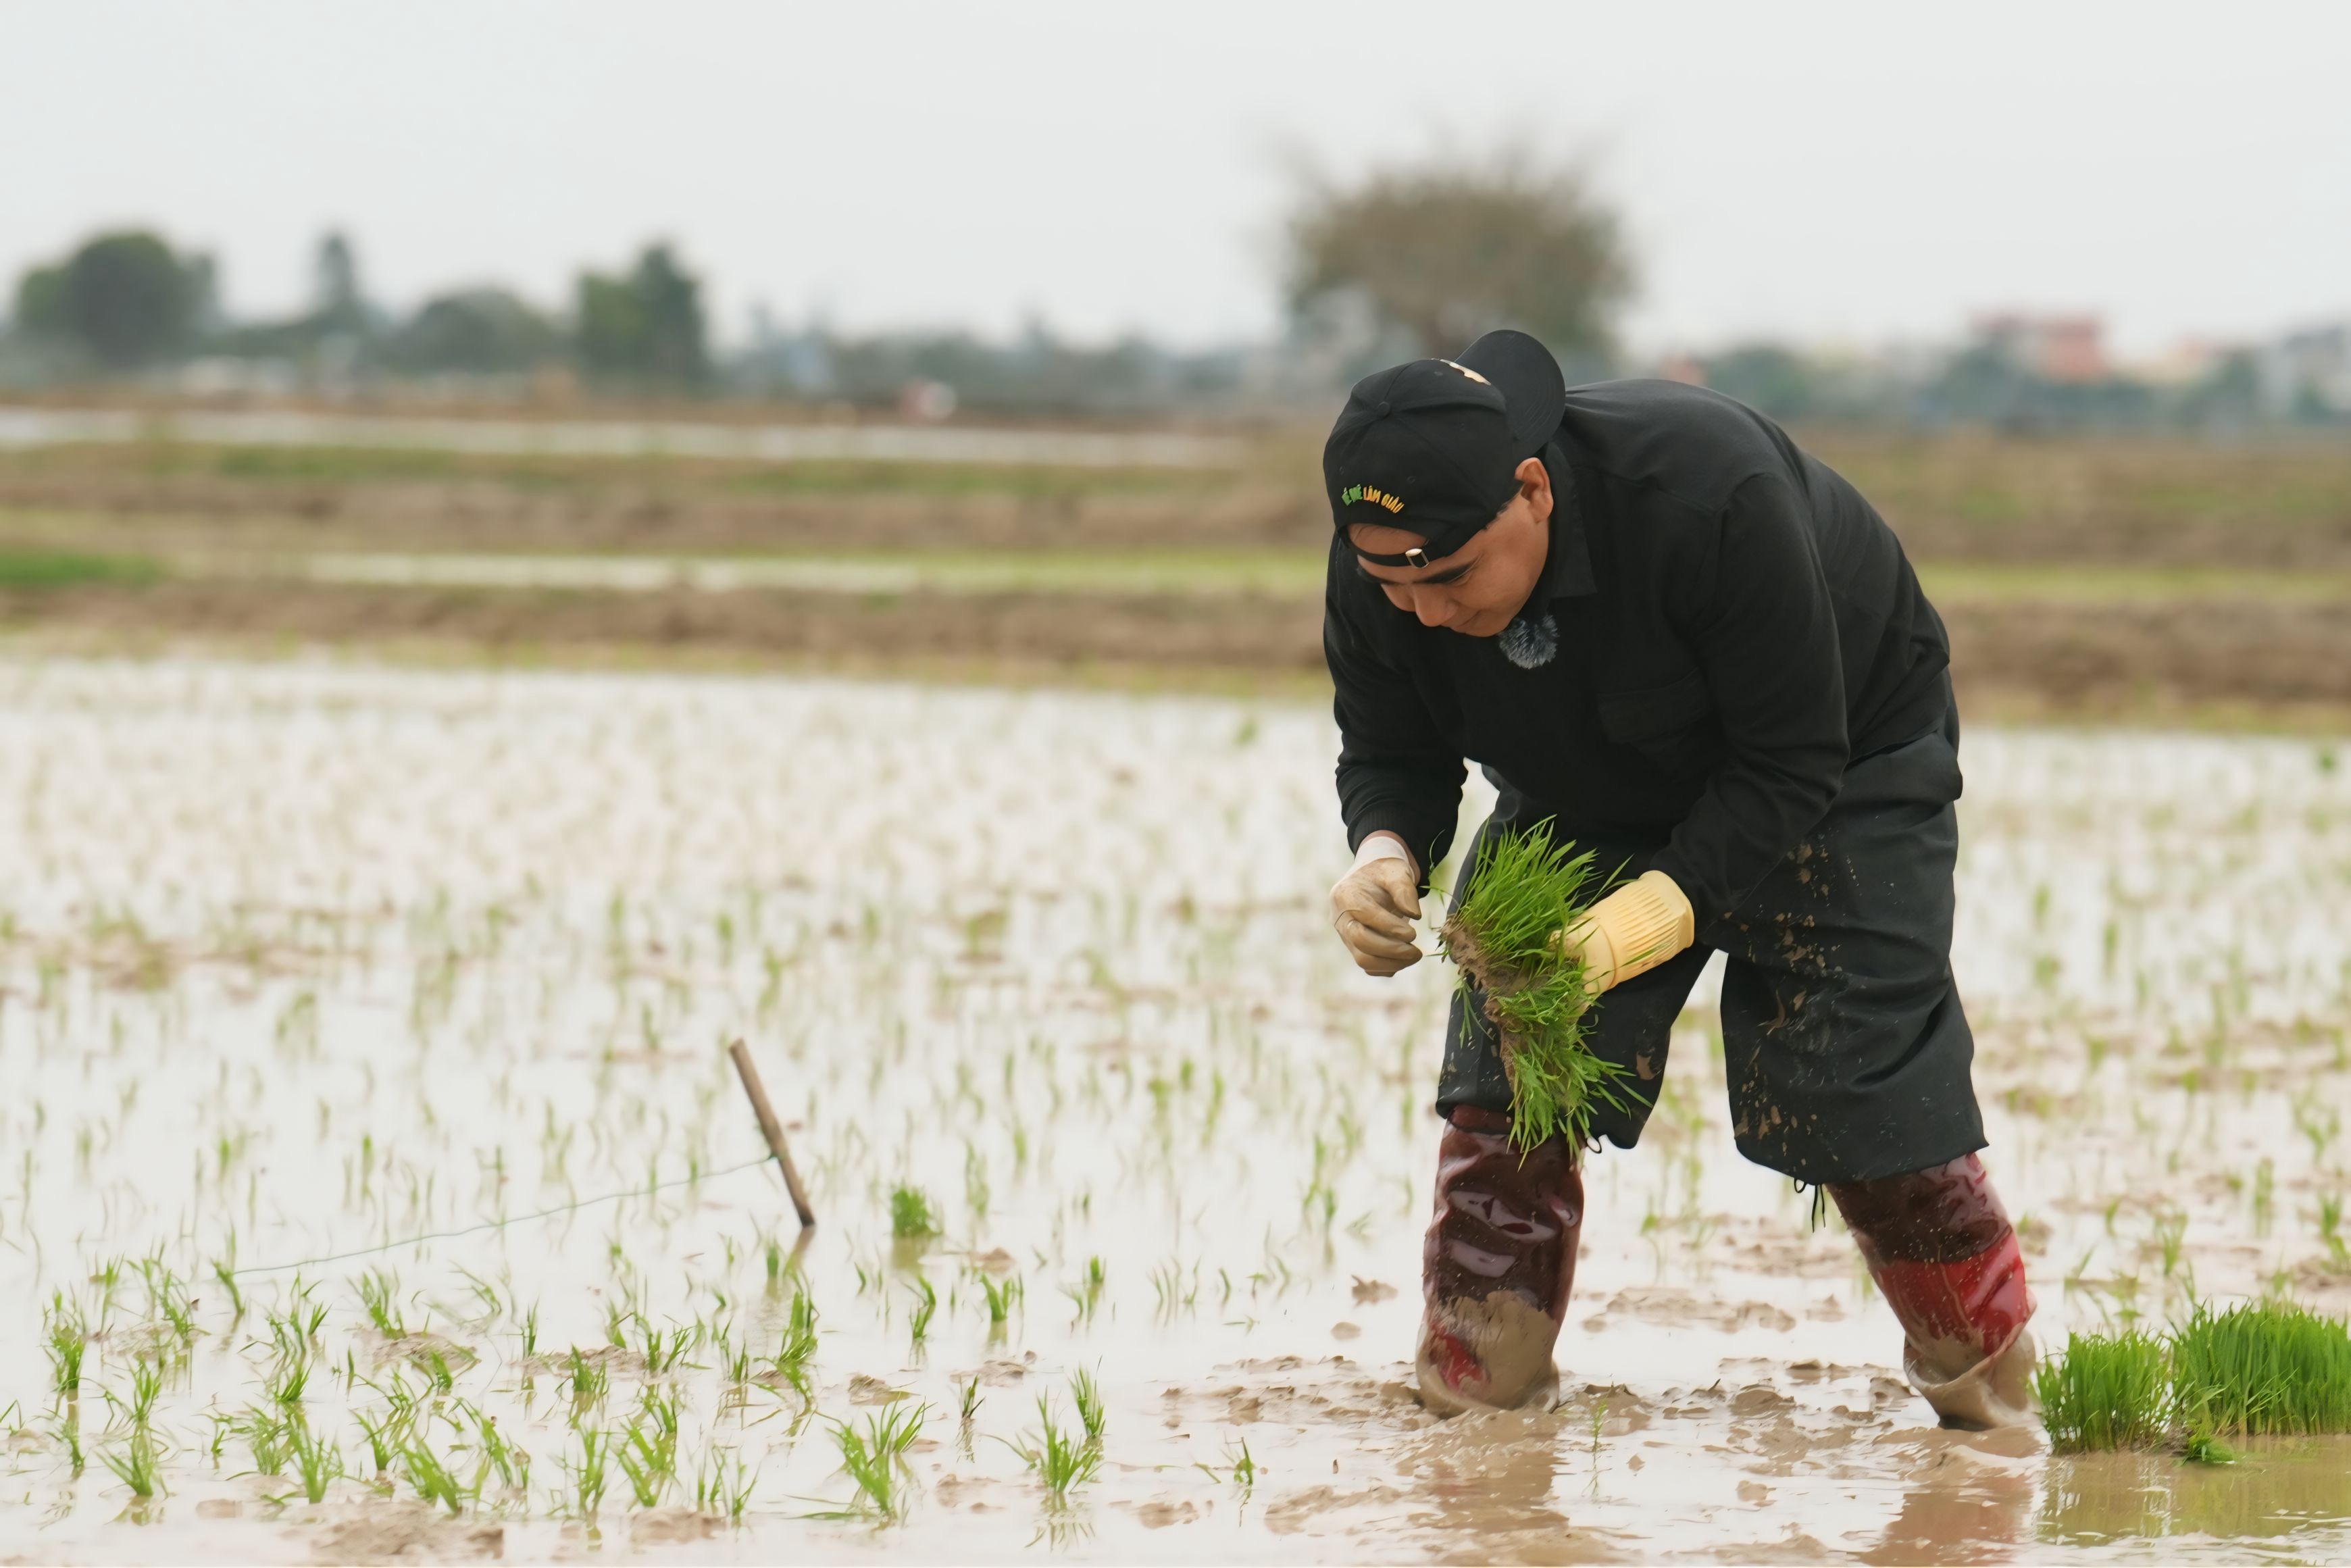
[1672, 637]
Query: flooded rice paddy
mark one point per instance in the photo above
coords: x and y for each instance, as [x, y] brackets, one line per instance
[303, 962]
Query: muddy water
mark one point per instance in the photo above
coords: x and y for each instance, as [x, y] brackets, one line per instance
[302, 961]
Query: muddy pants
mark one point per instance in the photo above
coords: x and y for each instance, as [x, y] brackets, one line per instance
[1846, 1048]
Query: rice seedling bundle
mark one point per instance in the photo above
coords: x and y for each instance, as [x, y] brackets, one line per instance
[1502, 933]
[2268, 1366]
[2107, 1393]
[2263, 1367]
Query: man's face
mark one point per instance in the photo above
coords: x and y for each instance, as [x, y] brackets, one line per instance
[1479, 588]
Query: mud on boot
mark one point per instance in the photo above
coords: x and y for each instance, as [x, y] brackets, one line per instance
[1944, 1254]
[1496, 1266]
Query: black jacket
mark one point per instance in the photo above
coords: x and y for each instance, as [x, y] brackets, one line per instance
[1735, 624]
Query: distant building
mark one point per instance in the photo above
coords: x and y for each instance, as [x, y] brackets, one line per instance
[2187, 362]
[2068, 350]
[1685, 369]
[2307, 374]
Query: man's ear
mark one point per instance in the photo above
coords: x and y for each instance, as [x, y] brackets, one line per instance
[1534, 486]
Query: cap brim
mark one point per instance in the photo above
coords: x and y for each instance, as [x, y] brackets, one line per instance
[1523, 371]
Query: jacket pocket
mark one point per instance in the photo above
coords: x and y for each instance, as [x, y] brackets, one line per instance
[1672, 725]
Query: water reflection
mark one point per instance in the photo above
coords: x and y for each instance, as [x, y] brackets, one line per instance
[2278, 1486]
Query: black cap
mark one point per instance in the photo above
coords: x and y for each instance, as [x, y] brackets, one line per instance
[1434, 445]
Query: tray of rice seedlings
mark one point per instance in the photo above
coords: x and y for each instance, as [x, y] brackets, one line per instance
[1502, 933]
[2263, 1367]
[2106, 1392]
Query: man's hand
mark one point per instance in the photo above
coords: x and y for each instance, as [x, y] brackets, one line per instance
[1374, 905]
[1632, 931]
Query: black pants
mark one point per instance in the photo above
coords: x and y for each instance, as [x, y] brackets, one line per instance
[1846, 1048]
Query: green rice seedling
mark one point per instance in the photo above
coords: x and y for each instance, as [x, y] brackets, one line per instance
[2203, 1449]
[648, 1449]
[911, 1218]
[875, 1457]
[508, 1461]
[316, 1461]
[2171, 1240]
[2105, 1392]
[588, 1477]
[65, 1338]
[290, 1373]
[492, 1305]
[431, 1476]
[798, 1346]
[1244, 1467]
[266, 1432]
[664, 1350]
[1085, 1393]
[927, 1305]
[384, 1434]
[1062, 1459]
[1169, 1290]
[380, 1293]
[138, 1464]
[146, 1385]
[68, 1433]
[722, 1485]
[2266, 1367]
[1501, 932]
[586, 1380]
[2330, 1229]
[1001, 1299]
[224, 1273]
[530, 1332]
[969, 1405]
[168, 1301]
[977, 1193]
[303, 1320]
[107, 1277]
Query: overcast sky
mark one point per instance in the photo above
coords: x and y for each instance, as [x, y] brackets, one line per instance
[1826, 173]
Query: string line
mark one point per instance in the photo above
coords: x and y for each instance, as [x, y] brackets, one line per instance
[571, 1207]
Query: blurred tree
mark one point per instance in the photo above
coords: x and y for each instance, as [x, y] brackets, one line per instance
[125, 298]
[1444, 251]
[337, 303]
[1767, 378]
[646, 326]
[481, 332]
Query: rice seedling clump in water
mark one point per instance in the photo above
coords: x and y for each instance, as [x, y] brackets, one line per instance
[2266, 1367]
[2106, 1393]
[1502, 933]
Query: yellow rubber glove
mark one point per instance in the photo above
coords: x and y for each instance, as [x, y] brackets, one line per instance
[1632, 931]
[1374, 905]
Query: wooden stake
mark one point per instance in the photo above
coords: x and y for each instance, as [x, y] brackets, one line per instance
[772, 1130]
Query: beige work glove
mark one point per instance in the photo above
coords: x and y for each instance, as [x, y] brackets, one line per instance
[1632, 931]
[1374, 905]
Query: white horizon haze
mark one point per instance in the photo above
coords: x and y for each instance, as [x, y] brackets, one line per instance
[1823, 173]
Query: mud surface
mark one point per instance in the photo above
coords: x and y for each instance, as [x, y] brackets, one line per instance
[300, 961]
[2064, 660]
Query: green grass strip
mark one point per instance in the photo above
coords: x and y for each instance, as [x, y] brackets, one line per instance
[1501, 933]
[36, 570]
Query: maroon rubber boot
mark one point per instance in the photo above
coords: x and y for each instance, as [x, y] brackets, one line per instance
[1496, 1266]
[1941, 1249]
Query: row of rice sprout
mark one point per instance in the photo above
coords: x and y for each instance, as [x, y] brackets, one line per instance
[2259, 1368]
